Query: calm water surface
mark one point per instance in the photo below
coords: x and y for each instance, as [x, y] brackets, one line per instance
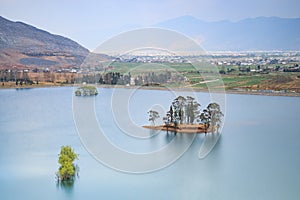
[257, 156]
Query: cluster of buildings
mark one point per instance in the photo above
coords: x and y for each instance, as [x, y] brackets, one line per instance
[151, 59]
[268, 60]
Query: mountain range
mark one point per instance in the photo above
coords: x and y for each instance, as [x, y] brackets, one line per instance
[261, 33]
[24, 45]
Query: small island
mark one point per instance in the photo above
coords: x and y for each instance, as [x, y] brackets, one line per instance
[86, 90]
[184, 116]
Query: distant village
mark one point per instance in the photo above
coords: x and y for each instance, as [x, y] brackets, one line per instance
[227, 63]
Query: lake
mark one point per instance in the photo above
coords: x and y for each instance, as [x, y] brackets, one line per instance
[256, 157]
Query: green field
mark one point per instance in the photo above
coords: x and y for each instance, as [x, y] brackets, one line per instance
[206, 75]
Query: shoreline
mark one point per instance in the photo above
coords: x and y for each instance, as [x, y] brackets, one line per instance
[182, 128]
[182, 89]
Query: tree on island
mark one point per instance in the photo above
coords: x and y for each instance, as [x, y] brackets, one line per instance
[205, 119]
[216, 116]
[212, 117]
[86, 90]
[191, 109]
[170, 115]
[67, 169]
[186, 111]
[153, 115]
[178, 105]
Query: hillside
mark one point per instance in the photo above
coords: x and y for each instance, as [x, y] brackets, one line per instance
[22, 44]
[262, 33]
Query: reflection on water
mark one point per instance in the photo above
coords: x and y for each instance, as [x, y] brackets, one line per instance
[66, 186]
[20, 89]
[106, 152]
[209, 143]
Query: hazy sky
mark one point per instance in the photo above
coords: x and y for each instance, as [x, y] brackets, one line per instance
[89, 22]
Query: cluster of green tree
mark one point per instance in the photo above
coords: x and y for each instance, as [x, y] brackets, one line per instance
[7, 75]
[86, 90]
[67, 169]
[212, 117]
[187, 111]
[227, 71]
[110, 78]
[25, 82]
[116, 78]
[294, 68]
[244, 69]
[152, 78]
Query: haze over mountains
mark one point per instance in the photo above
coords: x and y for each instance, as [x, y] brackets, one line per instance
[262, 33]
[22, 44]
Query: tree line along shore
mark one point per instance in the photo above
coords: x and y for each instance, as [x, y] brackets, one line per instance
[11, 85]
[179, 76]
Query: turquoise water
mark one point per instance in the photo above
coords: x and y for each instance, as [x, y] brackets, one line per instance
[257, 156]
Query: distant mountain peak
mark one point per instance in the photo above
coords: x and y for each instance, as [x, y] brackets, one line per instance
[260, 33]
[183, 19]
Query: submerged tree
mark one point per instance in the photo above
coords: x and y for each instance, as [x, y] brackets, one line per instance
[67, 169]
[153, 115]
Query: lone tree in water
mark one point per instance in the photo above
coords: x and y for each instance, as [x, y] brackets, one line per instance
[153, 115]
[67, 169]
